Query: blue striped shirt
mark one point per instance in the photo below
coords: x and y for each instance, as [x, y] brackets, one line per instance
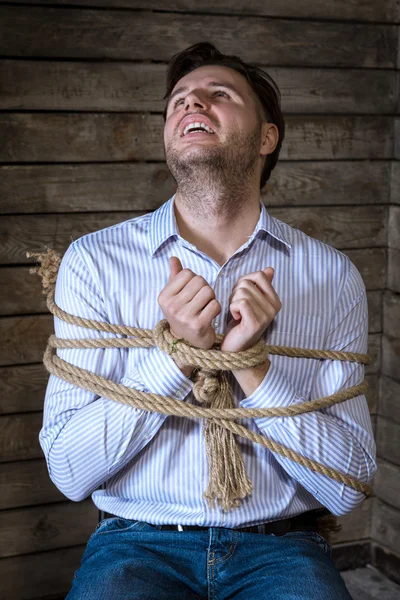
[154, 468]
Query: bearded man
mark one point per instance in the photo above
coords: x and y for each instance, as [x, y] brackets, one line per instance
[211, 260]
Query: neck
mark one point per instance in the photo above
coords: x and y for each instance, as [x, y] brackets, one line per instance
[217, 223]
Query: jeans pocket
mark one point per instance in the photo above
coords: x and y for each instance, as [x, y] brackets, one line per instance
[117, 525]
[312, 537]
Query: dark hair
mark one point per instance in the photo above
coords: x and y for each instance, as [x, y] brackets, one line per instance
[266, 90]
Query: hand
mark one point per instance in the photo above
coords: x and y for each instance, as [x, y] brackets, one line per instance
[253, 304]
[189, 305]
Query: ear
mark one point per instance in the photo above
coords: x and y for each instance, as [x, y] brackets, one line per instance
[269, 138]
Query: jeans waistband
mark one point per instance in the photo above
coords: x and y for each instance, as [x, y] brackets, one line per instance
[303, 521]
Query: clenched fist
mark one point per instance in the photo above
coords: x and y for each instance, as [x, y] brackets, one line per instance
[189, 305]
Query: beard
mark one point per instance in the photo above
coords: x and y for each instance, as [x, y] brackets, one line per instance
[215, 177]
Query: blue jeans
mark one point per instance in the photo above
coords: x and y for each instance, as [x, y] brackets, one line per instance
[126, 559]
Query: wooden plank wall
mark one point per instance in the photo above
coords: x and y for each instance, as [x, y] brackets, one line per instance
[81, 87]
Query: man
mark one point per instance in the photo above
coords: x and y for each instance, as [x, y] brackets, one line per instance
[210, 260]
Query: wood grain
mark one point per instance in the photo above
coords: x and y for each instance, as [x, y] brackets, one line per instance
[37, 575]
[393, 282]
[109, 137]
[387, 483]
[390, 356]
[388, 436]
[22, 388]
[74, 33]
[27, 483]
[389, 398]
[134, 87]
[391, 314]
[53, 526]
[354, 10]
[371, 262]
[140, 186]
[386, 526]
[19, 437]
[24, 338]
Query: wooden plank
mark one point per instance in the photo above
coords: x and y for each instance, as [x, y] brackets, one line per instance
[27, 483]
[132, 87]
[388, 436]
[371, 262]
[349, 227]
[354, 10]
[20, 292]
[395, 175]
[74, 33]
[374, 350]
[146, 186]
[54, 231]
[387, 483]
[391, 314]
[22, 389]
[374, 311]
[355, 525]
[24, 339]
[394, 227]
[19, 437]
[390, 356]
[389, 398]
[33, 576]
[386, 526]
[394, 270]
[108, 137]
[47, 527]
[372, 393]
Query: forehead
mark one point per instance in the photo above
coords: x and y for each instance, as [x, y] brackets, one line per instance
[214, 73]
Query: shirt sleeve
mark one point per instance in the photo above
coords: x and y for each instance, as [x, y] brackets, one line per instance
[340, 436]
[87, 438]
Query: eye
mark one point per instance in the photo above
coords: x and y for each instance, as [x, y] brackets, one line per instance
[215, 93]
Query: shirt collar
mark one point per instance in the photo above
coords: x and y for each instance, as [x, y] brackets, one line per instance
[163, 226]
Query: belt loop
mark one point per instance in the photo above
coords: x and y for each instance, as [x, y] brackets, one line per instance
[261, 528]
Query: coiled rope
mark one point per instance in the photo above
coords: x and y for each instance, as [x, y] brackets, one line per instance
[228, 479]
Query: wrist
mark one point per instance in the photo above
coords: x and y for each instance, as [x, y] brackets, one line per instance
[186, 369]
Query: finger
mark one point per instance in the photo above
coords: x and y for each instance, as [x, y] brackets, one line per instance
[263, 284]
[175, 266]
[255, 314]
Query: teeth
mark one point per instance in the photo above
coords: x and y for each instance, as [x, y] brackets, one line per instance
[196, 126]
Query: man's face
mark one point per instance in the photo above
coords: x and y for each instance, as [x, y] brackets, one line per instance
[234, 147]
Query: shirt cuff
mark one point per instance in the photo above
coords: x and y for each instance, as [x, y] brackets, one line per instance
[274, 391]
[158, 373]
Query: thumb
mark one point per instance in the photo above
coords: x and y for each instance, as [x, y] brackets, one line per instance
[175, 266]
[270, 272]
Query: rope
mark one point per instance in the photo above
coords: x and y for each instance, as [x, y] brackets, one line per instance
[228, 482]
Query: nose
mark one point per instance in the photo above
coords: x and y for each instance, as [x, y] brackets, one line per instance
[193, 99]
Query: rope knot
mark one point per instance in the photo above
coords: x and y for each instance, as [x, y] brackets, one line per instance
[228, 480]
